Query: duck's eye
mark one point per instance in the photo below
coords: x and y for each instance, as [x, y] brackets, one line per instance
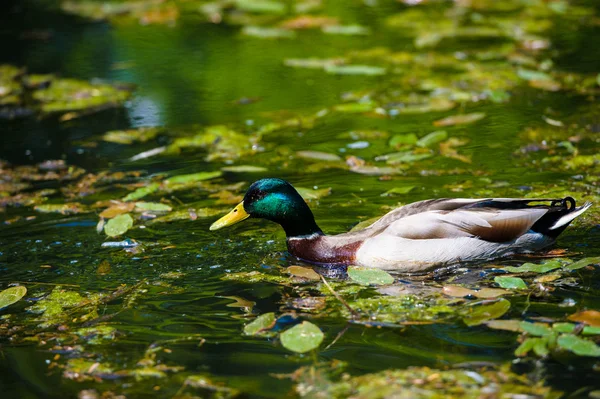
[235, 210]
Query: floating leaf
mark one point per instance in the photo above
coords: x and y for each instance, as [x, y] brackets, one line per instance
[244, 169]
[457, 291]
[400, 140]
[302, 338]
[152, 206]
[261, 6]
[462, 119]
[432, 138]
[532, 267]
[192, 177]
[11, 295]
[366, 70]
[589, 317]
[406, 157]
[583, 263]
[398, 190]
[511, 283]
[482, 311]
[528, 74]
[538, 345]
[364, 106]
[118, 225]
[369, 275]
[313, 194]
[537, 329]
[268, 33]
[142, 192]
[65, 209]
[577, 345]
[261, 324]
[506, 325]
[348, 30]
[303, 272]
[570, 328]
[318, 155]
[116, 210]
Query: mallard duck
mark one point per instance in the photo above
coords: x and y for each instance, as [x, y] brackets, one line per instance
[415, 237]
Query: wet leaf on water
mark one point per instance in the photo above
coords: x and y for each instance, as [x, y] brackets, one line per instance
[268, 32]
[367, 70]
[406, 157]
[261, 6]
[302, 338]
[152, 206]
[141, 192]
[589, 317]
[347, 30]
[116, 210]
[303, 272]
[432, 138]
[506, 325]
[369, 275]
[400, 140]
[398, 190]
[582, 263]
[537, 329]
[538, 345]
[192, 177]
[64, 209]
[482, 311]
[118, 225]
[364, 106]
[448, 149]
[312, 63]
[12, 295]
[130, 136]
[103, 268]
[528, 74]
[457, 291]
[570, 328]
[511, 283]
[308, 22]
[260, 325]
[319, 156]
[577, 345]
[244, 169]
[313, 194]
[485, 293]
[535, 268]
[462, 119]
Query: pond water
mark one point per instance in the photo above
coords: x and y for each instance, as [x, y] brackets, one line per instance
[335, 97]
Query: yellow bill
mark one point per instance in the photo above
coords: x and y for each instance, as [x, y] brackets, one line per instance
[236, 215]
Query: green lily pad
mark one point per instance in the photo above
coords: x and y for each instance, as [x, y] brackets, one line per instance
[432, 138]
[302, 338]
[399, 140]
[141, 192]
[462, 119]
[366, 70]
[532, 267]
[152, 206]
[193, 177]
[12, 295]
[579, 346]
[244, 169]
[398, 190]
[260, 325]
[582, 263]
[369, 275]
[537, 329]
[512, 283]
[118, 225]
[482, 311]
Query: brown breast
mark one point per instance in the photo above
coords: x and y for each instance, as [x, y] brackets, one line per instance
[323, 250]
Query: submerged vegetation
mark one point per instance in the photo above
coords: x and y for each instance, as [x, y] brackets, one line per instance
[113, 287]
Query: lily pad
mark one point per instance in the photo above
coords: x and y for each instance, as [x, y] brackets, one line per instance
[12, 295]
[118, 225]
[142, 192]
[482, 311]
[432, 138]
[369, 275]
[462, 119]
[589, 317]
[192, 177]
[303, 272]
[152, 206]
[261, 324]
[302, 338]
[511, 283]
[366, 70]
[244, 169]
[577, 345]
[582, 263]
[536, 268]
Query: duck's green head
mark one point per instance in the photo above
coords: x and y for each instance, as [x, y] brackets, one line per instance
[275, 200]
